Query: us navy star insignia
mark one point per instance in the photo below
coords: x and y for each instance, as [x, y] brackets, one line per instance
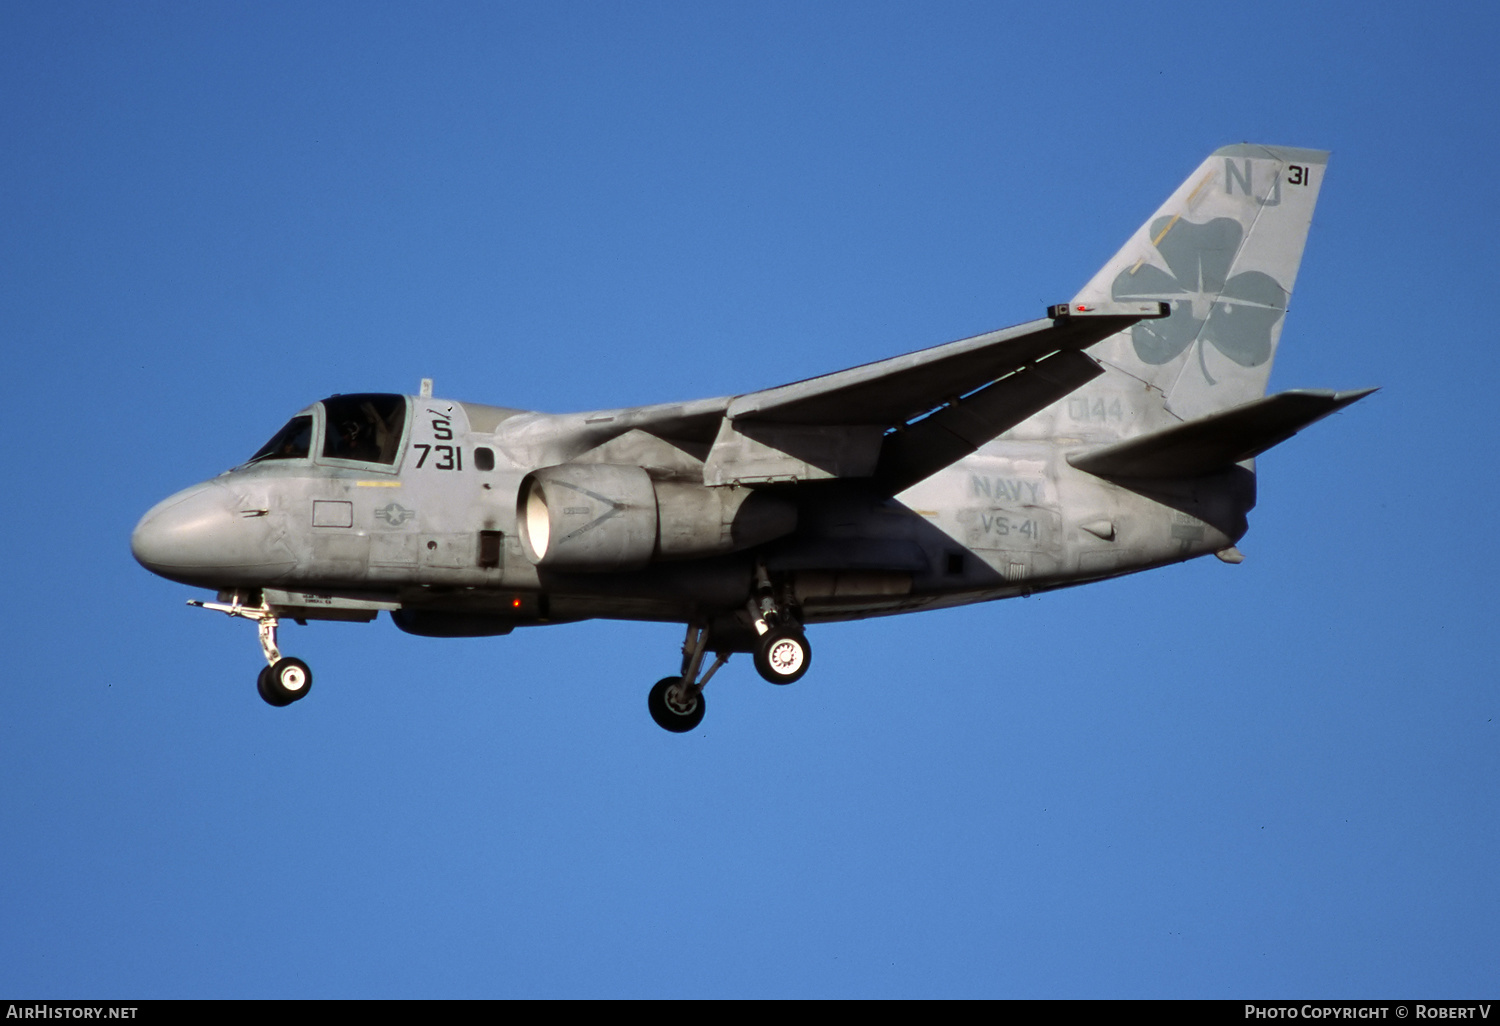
[395, 514]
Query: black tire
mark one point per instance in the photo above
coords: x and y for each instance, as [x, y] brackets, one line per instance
[286, 682]
[265, 694]
[783, 655]
[669, 718]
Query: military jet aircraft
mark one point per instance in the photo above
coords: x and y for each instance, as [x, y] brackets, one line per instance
[1116, 434]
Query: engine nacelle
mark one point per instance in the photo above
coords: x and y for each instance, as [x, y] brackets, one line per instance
[593, 517]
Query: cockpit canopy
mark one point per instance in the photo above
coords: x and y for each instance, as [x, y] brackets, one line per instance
[364, 428]
[290, 443]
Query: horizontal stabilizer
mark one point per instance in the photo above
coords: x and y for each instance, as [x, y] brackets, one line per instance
[1217, 441]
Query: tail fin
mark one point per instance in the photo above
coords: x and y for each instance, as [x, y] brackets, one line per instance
[1224, 251]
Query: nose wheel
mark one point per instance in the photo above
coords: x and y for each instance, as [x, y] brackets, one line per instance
[284, 680]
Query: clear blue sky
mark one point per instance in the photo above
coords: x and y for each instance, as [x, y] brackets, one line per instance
[1275, 779]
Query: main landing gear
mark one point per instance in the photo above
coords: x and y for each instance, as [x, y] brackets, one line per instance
[284, 679]
[782, 655]
[676, 703]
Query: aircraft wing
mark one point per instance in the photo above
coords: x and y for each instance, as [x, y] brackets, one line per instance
[902, 388]
[895, 421]
[902, 419]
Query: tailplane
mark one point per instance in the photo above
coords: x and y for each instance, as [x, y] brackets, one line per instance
[1224, 252]
[1217, 442]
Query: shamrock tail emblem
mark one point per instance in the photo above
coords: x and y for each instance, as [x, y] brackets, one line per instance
[1236, 315]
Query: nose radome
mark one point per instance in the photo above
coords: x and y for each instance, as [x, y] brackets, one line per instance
[184, 533]
[199, 536]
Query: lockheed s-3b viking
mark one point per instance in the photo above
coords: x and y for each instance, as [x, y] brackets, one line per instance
[1116, 434]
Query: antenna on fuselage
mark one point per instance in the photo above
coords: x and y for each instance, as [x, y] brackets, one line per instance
[426, 388]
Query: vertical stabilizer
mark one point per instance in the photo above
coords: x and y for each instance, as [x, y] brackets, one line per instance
[1224, 252]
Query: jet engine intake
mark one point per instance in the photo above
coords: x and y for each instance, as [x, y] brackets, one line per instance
[598, 517]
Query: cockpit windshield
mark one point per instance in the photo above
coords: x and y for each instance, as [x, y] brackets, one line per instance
[290, 443]
[365, 427]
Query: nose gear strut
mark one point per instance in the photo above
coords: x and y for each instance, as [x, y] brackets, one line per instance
[284, 680]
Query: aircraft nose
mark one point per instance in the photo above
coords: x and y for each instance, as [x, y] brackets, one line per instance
[200, 536]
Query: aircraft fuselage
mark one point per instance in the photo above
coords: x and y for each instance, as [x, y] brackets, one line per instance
[432, 536]
[1116, 434]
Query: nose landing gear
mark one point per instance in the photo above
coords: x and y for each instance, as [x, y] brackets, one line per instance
[284, 680]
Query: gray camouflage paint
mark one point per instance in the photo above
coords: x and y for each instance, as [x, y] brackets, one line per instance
[327, 540]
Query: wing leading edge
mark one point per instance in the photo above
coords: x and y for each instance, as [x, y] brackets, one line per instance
[895, 421]
[902, 419]
[903, 388]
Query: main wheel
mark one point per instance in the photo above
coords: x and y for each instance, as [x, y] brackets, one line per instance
[669, 712]
[783, 656]
[286, 682]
